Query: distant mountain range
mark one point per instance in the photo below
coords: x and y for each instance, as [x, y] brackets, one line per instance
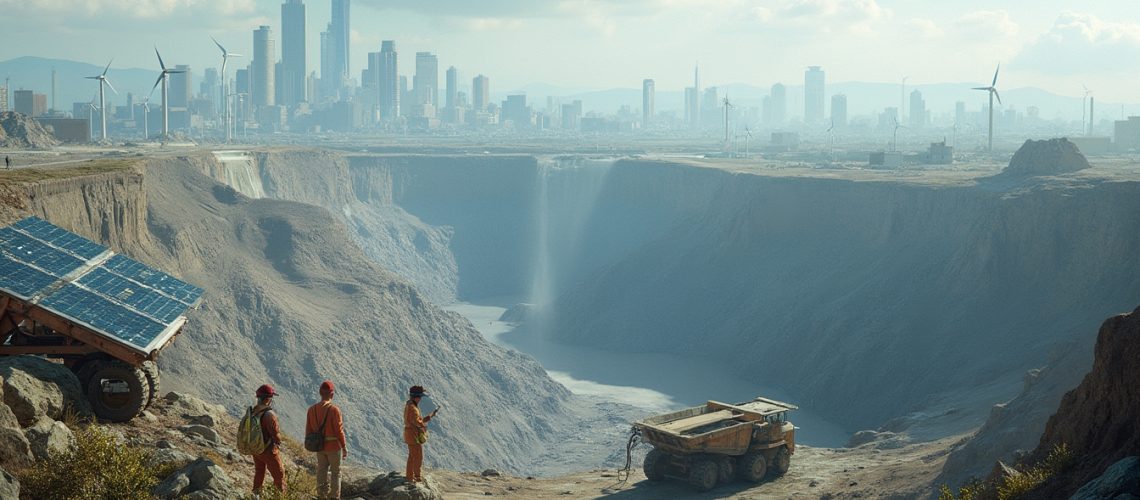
[863, 98]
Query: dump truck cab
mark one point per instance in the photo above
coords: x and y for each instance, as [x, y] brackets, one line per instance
[718, 442]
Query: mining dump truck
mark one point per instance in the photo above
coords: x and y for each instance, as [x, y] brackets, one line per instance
[103, 315]
[717, 442]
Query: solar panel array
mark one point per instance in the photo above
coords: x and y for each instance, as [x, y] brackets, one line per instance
[87, 283]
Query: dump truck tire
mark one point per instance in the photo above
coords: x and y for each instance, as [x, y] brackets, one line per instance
[753, 467]
[123, 396]
[153, 381]
[654, 465]
[781, 462]
[704, 474]
[87, 366]
[726, 468]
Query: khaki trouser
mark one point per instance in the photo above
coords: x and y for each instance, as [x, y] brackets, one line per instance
[328, 474]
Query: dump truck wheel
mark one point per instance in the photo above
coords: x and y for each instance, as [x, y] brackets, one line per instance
[704, 474]
[87, 366]
[726, 468]
[153, 381]
[118, 392]
[654, 465]
[781, 462]
[753, 467]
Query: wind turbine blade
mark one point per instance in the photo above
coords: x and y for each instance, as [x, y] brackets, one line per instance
[219, 46]
[108, 82]
[160, 63]
[997, 95]
[156, 82]
[994, 84]
[172, 71]
[91, 77]
[108, 66]
[981, 88]
[235, 55]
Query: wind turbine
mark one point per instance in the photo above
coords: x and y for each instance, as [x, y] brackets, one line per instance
[91, 107]
[226, 55]
[895, 136]
[162, 78]
[241, 105]
[102, 78]
[727, 107]
[146, 118]
[1084, 107]
[747, 141]
[992, 90]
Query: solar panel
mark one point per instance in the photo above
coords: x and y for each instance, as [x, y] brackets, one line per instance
[88, 284]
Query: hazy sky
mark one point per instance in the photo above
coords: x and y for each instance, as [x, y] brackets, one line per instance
[1055, 45]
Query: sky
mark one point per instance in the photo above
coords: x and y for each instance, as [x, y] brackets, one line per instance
[1059, 46]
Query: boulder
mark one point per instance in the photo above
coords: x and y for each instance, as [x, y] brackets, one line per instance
[201, 479]
[48, 436]
[170, 455]
[393, 486]
[1122, 478]
[14, 448]
[192, 408]
[204, 432]
[9, 486]
[35, 387]
[1049, 157]
[8, 419]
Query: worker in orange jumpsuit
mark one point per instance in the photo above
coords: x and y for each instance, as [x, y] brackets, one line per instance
[325, 418]
[270, 459]
[415, 433]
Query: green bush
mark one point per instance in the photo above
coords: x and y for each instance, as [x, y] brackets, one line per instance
[99, 467]
[1059, 459]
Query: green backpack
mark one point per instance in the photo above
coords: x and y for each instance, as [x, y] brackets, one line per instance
[250, 439]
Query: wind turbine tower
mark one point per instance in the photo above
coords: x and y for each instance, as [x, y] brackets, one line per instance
[226, 55]
[993, 92]
[162, 78]
[102, 78]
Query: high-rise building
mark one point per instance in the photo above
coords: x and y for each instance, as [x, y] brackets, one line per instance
[813, 95]
[778, 104]
[481, 92]
[389, 81]
[293, 67]
[263, 91]
[452, 86]
[839, 111]
[425, 83]
[338, 45]
[516, 111]
[692, 107]
[572, 115]
[917, 110]
[406, 98]
[179, 91]
[648, 106]
[210, 86]
[4, 97]
[959, 114]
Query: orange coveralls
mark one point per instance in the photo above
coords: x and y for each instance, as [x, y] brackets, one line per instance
[414, 424]
[270, 459]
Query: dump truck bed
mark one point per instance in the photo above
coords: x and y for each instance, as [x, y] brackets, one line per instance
[713, 427]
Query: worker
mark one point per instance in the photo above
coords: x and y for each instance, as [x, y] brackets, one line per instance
[325, 418]
[270, 459]
[7, 162]
[415, 433]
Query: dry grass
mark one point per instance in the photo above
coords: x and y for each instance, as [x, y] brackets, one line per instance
[91, 167]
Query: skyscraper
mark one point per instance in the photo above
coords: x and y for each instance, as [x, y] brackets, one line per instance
[389, 81]
[293, 68]
[648, 106]
[692, 107]
[778, 104]
[481, 92]
[179, 87]
[263, 91]
[425, 83]
[839, 111]
[338, 40]
[917, 110]
[813, 95]
[452, 86]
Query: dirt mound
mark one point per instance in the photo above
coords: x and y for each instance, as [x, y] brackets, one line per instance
[1097, 420]
[1048, 157]
[18, 130]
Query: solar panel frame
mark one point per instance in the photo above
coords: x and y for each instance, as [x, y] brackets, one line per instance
[69, 276]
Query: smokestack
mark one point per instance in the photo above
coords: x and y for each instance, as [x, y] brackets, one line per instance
[1091, 100]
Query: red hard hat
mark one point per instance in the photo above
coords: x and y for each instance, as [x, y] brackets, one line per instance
[266, 391]
[327, 386]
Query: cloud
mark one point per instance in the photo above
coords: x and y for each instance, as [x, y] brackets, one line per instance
[985, 25]
[1083, 43]
[925, 28]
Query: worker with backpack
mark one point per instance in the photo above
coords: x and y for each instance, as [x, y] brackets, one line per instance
[259, 435]
[324, 435]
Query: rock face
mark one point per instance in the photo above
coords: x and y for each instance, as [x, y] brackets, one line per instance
[1097, 420]
[20, 131]
[9, 486]
[1120, 480]
[200, 479]
[1047, 157]
[35, 388]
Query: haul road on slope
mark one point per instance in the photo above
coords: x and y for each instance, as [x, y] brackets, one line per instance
[719, 442]
[104, 315]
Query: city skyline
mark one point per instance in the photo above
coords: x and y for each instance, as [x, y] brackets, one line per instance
[1094, 45]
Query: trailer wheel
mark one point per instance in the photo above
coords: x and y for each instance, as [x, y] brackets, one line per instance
[654, 465]
[753, 467]
[87, 366]
[153, 381]
[118, 392]
[726, 468]
[781, 462]
[703, 474]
